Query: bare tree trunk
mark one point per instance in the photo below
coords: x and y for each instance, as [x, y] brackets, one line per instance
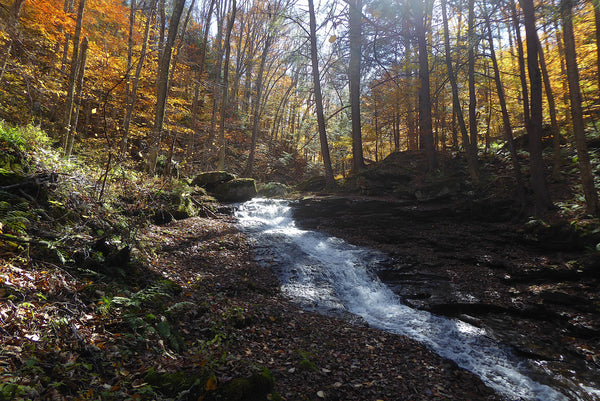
[469, 150]
[587, 177]
[508, 133]
[596, 4]
[80, 75]
[68, 111]
[521, 59]
[135, 84]
[355, 25]
[163, 84]
[534, 127]
[425, 119]
[329, 178]
[195, 103]
[222, 140]
[552, 111]
[472, 43]
[13, 23]
[256, 105]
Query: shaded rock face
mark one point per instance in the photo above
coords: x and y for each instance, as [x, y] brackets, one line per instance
[211, 179]
[226, 187]
[404, 175]
[236, 190]
[273, 190]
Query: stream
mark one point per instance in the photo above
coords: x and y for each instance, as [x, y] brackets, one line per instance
[328, 275]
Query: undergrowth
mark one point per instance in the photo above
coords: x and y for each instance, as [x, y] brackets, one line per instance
[81, 312]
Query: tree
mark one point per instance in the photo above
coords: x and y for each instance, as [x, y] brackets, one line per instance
[587, 177]
[68, 111]
[162, 84]
[469, 150]
[425, 120]
[131, 99]
[13, 22]
[534, 126]
[222, 140]
[258, 98]
[507, 128]
[329, 179]
[472, 45]
[355, 25]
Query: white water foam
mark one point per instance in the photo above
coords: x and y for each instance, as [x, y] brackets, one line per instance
[326, 273]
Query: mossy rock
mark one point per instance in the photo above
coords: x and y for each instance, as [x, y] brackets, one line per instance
[254, 388]
[172, 384]
[211, 179]
[236, 190]
[273, 190]
[312, 184]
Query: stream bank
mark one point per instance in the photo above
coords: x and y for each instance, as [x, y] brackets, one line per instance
[534, 287]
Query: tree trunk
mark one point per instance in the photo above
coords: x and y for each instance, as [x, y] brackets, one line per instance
[195, 103]
[68, 111]
[508, 134]
[163, 84]
[472, 43]
[80, 75]
[329, 178]
[256, 104]
[534, 127]
[521, 59]
[355, 25]
[13, 23]
[425, 119]
[135, 84]
[222, 141]
[587, 177]
[553, 118]
[597, 26]
[469, 150]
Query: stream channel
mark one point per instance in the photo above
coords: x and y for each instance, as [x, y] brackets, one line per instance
[328, 275]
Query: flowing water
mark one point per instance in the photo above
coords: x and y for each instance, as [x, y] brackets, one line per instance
[327, 274]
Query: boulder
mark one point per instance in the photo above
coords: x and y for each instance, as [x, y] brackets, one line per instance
[211, 179]
[236, 190]
[273, 190]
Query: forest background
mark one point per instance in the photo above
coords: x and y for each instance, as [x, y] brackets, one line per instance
[262, 89]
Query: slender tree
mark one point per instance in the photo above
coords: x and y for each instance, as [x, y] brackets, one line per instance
[425, 118]
[587, 177]
[162, 86]
[329, 178]
[13, 23]
[507, 127]
[68, 111]
[469, 150]
[355, 24]
[78, 95]
[534, 126]
[224, 105]
[132, 99]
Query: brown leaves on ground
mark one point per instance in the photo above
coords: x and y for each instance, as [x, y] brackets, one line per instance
[199, 316]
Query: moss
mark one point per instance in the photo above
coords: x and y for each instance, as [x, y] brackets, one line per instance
[306, 364]
[254, 388]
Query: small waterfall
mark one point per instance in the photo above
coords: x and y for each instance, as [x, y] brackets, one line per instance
[327, 274]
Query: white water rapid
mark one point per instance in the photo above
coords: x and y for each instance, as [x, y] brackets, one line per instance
[328, 274]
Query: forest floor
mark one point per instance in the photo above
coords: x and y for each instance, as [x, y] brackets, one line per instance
[97, 303]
